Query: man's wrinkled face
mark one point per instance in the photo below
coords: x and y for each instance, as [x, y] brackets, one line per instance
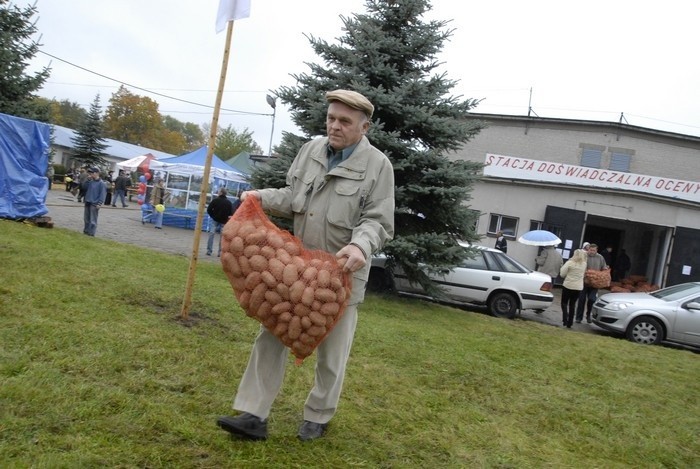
[592, 251]
[345, 126]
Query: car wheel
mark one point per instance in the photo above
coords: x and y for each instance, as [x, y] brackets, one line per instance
[503, 305]
[645, 330]
[380, 281]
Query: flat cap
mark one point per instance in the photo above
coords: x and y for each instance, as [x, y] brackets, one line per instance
[93, 169]
[353, 99]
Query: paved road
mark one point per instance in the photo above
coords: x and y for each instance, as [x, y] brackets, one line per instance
[124, 225]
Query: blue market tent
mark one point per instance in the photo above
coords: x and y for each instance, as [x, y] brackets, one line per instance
[193, 164]
[183, 176]
[24, 160]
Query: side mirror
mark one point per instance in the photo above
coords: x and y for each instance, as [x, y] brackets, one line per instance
[693, 305]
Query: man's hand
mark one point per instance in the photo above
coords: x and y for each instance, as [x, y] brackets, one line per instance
[355, 258]
[245, 194]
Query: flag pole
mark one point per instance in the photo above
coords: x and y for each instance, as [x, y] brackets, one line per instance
[187, 301]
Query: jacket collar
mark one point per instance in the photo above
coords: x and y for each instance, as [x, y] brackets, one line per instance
[352, 167]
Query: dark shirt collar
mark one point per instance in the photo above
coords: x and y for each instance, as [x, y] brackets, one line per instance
[346, 152]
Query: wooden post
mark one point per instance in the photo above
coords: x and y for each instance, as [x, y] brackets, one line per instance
[187, 301]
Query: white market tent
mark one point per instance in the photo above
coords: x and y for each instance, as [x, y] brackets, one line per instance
[134, 163]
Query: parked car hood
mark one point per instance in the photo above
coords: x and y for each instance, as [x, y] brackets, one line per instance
[627, 297]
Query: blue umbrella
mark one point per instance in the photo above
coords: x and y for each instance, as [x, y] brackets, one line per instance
[539, 238]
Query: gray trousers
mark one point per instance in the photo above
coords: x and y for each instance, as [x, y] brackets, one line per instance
[263, 377]
[90, 218]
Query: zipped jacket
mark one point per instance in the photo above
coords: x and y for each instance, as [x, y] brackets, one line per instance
[351, 204]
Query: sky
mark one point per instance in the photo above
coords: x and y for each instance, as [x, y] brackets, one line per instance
[595, 60]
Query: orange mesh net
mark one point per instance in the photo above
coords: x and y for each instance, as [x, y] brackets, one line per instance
[299, 295]
[597, 278]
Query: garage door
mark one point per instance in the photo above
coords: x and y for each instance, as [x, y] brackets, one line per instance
[684, 265]
[566, 222]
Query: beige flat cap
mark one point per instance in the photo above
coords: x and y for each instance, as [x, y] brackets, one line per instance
[353, 99]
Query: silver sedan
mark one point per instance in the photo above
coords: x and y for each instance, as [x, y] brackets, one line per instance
[671, 314]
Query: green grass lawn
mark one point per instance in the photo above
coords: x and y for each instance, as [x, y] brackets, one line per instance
[97, 368]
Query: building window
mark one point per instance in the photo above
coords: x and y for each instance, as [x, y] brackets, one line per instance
[620, 161]
[508, 225]
[535, 225]
[556, 229]
[591, 157]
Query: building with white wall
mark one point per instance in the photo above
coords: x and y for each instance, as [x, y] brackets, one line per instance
[116, 151]
[629, 187]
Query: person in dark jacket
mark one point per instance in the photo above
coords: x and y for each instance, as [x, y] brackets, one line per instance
[93, 196]
[220, 210]
[622, 266]
[501, 242]
[120, 186]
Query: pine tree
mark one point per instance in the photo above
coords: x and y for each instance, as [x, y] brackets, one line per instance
[16, 50]
[389, 55]
[89, 143]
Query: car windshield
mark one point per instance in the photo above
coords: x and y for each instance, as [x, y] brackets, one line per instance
[677, 292]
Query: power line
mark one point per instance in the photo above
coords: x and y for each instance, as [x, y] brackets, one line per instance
[159, 89]
[150, 91]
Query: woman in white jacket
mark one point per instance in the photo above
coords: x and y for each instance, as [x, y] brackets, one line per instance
[572, 272]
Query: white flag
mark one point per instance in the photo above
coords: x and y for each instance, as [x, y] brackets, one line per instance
[231, 10]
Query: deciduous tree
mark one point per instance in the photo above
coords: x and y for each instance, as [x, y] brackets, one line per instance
[133, 119]
[230, 142]
[65, 113]
[191, 133]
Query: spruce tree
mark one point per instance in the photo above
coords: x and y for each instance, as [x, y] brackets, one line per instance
[89, 143]
[17, 48]
[389, 55]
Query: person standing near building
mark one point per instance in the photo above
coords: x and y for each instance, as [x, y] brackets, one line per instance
[68, 179]
[549, 262]
[49, 174]
[622, 265]
[572, 272]
[109, 184]
[158, 199]
[219, 210]
[501, 242]
[83, 177]
[589, 295]
[93, 196]
[120, 186]
[340, 195]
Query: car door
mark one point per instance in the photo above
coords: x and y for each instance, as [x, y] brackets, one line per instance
[687, 324]
[402, 284]
[471, 281]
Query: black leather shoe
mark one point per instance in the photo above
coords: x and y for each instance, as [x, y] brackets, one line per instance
[311, 430]
[245, 425]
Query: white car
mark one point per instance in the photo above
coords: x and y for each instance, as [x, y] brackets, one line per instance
[671, 314]
[491, 278]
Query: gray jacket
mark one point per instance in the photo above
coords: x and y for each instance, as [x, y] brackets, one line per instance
[351, 204]
[549, 261]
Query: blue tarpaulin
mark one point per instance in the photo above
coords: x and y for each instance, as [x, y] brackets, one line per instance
[24, 160]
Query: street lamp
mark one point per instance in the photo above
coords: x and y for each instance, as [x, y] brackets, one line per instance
[272, 101]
